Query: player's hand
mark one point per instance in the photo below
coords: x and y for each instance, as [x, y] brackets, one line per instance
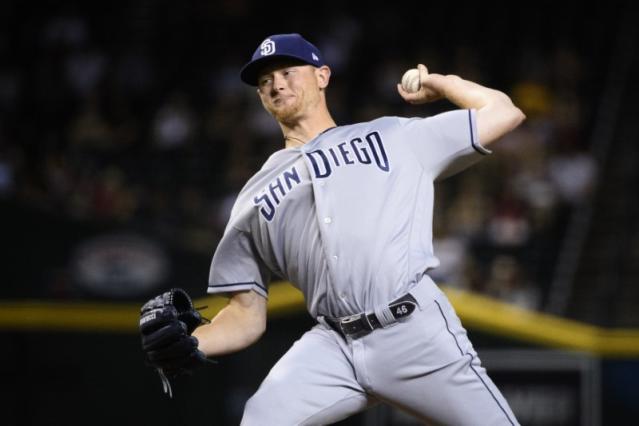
[166, 324]
[169, 347]
[432, 88]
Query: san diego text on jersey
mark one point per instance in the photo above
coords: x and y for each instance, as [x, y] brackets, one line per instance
[367, 150]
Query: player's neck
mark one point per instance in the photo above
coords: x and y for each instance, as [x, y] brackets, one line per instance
[304, 131]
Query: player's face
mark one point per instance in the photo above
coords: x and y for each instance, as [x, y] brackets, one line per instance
[289, 91]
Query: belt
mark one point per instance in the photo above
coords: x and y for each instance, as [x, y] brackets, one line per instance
[361, 324]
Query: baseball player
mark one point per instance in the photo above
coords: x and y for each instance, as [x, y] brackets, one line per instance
[345, 214]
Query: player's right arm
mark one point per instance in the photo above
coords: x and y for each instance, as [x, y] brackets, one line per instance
[496, 113]
[238, 325]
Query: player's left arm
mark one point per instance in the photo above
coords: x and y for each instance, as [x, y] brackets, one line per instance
[496, 113]
[237, 326]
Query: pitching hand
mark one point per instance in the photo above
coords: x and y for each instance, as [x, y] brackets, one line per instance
[431, 88]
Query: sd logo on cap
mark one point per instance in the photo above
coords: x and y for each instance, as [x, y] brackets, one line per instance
[280, 46]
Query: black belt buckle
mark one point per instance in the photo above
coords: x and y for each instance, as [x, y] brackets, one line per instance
[361, 324]
[355, 325]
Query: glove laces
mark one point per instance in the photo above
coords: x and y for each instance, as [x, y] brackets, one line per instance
[166, 384]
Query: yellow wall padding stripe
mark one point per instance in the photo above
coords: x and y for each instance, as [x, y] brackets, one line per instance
[41, 316]
[492, 316]
[118, 317]
[477, 312]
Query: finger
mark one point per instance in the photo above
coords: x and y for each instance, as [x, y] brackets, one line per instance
[401, 91]
[423, 74]
[181, 349]
[433, 85]
[411, 98]
[164, 336]
[422, 69]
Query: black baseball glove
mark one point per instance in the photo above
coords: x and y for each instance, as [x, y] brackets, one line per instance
[166, 324]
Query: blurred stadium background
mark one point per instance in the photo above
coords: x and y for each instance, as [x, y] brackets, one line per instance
[125, 134]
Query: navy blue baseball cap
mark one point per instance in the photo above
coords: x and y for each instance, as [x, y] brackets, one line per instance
[292, 46]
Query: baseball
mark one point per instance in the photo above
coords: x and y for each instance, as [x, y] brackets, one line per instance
[410, 80]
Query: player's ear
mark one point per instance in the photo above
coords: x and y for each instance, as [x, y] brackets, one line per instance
[323, 75]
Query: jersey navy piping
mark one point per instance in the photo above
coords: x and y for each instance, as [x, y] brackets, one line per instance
[476, 145]
[247, 284]
[461, 352]
[326, 130]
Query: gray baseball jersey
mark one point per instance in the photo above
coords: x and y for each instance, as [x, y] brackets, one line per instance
[347, 218]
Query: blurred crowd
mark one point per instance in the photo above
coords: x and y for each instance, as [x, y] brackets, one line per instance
[137, 118]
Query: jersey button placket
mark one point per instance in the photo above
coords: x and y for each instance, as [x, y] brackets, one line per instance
[328, 220]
